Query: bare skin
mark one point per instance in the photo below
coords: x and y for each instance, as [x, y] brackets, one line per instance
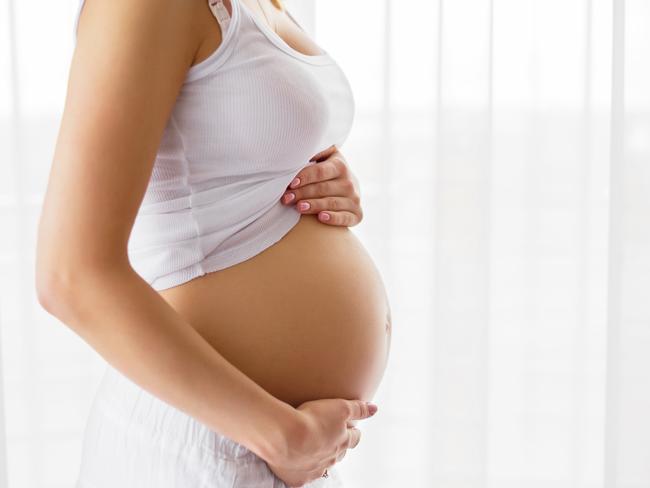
[121, 90]
[307, 318]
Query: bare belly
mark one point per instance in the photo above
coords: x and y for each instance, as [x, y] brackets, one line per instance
[307, 318]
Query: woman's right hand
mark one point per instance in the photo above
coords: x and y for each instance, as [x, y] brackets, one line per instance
[320, 439]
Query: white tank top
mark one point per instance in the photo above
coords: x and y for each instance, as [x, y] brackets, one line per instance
[247, 119]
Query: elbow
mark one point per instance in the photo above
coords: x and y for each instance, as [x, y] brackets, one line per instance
[53, 277]
[42, 286]
[62, 289]
[69, 278]
[67, 291]
[55, 291]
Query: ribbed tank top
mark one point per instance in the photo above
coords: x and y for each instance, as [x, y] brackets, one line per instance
[247, 119]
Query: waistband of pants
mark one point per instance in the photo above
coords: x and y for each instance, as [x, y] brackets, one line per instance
[133, 407]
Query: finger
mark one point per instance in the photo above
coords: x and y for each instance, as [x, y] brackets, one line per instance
[358, 409]
[337, 187]
[341, 218]
[313, 173]
[354, 436]
[341, 455]
[334, 204]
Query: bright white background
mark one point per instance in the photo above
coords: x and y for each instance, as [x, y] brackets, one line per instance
[503, 150]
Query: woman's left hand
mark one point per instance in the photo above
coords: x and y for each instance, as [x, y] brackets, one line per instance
[328, 188]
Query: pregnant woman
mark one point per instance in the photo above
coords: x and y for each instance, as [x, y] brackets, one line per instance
[244, 335]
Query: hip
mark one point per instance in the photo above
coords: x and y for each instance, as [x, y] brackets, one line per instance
[133, 439]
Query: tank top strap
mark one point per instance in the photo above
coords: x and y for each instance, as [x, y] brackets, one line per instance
[220, 11]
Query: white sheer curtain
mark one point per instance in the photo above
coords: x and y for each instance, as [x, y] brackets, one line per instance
[503, 148]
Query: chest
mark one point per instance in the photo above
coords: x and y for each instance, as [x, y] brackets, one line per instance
[265, 109]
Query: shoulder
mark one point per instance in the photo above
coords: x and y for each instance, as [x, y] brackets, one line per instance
[167, 23]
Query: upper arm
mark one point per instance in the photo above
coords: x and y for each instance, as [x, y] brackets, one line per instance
[129, 63]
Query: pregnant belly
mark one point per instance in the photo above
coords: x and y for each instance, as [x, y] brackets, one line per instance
[307, 318]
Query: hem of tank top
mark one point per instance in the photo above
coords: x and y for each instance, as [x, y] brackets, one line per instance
[219, 56]
[229, 258]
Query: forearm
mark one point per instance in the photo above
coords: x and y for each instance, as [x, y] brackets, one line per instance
[135, 330]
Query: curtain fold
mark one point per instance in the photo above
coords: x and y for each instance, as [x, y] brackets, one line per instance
[627, 433]
[503, 152]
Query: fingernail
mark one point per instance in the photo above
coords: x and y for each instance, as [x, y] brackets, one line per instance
[288, 197]
[295, 182]
[372, 408]
[303, 206]
[324, 216]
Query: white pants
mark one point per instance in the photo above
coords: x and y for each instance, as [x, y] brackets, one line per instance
[133, 439]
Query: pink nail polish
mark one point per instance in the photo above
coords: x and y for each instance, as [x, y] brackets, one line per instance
[295, 182]
[325, 216]
[289, 197]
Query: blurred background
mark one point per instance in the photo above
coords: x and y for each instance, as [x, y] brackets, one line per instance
[503, 152]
